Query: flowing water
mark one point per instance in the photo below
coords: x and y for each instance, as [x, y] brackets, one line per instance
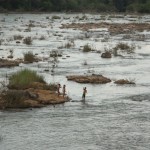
[112, 117]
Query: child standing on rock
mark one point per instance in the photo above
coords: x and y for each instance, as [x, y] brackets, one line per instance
[58, 89]
[64, 90]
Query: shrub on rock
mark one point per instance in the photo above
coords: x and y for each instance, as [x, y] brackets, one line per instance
[106, 55]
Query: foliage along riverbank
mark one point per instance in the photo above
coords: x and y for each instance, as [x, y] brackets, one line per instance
[141, 6]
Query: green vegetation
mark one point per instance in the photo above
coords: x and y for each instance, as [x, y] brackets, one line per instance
[29, 57]
[142, 6]
[18, 37]
[27, 41]
[124, 47]
[87, 48]
[56, 17]
[23, 79]
[14, 98]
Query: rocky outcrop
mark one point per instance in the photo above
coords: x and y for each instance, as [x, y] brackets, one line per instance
[113, 28]
[8, 63]
[106, 55]
[94, 79]
[123, 81]
[30, 98]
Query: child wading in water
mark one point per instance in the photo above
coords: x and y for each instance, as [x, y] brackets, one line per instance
[84, 93]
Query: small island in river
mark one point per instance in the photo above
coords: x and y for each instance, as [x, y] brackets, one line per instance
[26, 89]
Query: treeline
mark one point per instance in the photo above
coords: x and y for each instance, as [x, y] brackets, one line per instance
[141, 6]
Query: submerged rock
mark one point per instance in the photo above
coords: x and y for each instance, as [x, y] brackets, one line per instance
[123, 81]
[95, 79]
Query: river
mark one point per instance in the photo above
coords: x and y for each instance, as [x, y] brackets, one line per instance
[112, 117]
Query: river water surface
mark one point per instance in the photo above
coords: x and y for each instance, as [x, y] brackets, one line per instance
[111, 118]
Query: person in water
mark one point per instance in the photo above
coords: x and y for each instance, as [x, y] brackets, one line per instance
[58, 89]
[64, 90]
[84, 93]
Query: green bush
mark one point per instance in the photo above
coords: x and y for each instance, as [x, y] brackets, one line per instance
[29, 57]
[144, 8]
[14, 98]
[87, 48]
[18, 37]
[124, 47]
[23, 79]
[56, 17]
[27, 41]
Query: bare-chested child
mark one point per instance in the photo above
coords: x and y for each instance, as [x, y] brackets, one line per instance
[58, 89]
[64, 90]
[84, 93]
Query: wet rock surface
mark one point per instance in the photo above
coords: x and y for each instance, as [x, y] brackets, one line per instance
[95, 79]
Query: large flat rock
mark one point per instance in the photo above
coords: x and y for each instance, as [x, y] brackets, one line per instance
[95, 79]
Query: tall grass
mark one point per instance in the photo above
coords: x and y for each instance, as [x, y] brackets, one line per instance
[23, 79]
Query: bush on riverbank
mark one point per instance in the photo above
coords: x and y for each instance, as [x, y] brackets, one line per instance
[124, 47]
[87, 48]
[27, 41]
[13, 98]
[23, 79]
[29, 57]
[142, 6]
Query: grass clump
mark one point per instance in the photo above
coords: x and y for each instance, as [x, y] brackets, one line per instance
[23, 79]
[124, 47]
[27, 41]
[56, 17]
[55, 54]
[29, 57]
[87, 48]
[18, 37]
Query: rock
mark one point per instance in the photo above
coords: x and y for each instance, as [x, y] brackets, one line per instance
[33, 95]
[30, 98]
[95, 79]
[32, 104]
[106, 55]
[123, 81]
[8, 63]
[113, 28]
[18, 42]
